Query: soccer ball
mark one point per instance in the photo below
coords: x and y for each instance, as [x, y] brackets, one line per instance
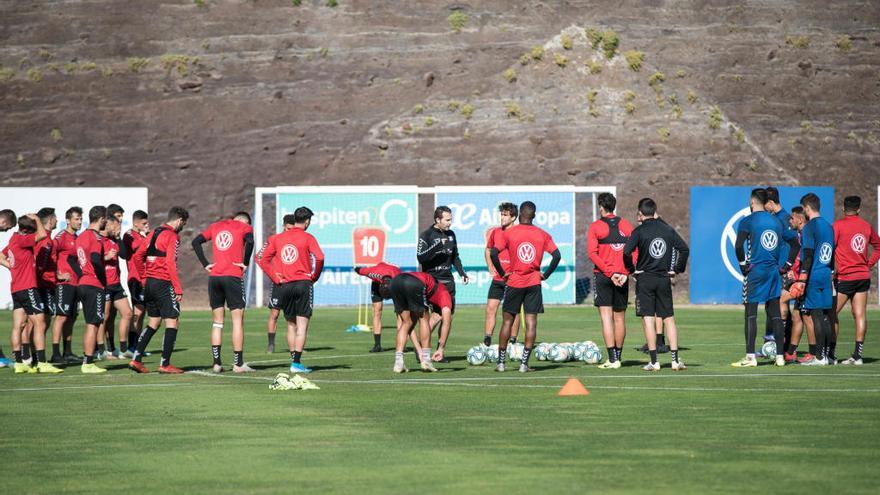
[570, 346]
[559, 353]
[579, 350]
[590, 343]
[592, 356]
[492, 353]
[515, 351]
[542, 351]
[476, 355]
[769, 350]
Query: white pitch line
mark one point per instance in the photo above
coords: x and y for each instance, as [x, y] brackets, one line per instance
[78, 387]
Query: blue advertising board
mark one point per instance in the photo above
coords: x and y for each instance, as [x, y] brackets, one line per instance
[715, 214]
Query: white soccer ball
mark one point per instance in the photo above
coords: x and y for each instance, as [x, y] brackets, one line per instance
[592, 356]
[492, 353]
[579, 350]
[542, 351]
[590, 343]
[559, 353]
[515, 352]
[769, 349]
[476, 355]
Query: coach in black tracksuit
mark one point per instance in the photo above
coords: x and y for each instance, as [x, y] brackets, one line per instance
[662, 253]
[437, 251]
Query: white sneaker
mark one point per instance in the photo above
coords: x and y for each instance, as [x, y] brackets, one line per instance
[499, 367]
[608, 365]
[399, 367]
[29, 361]
[815, 362]
[651, 367]
[780, 360]
[218, 368]
[428, 366]
[525, 369]
[678, 366]
[852, 362]
[746, 362]
[242, 369]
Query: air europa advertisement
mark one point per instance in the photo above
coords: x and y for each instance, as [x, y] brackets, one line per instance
[715, 215]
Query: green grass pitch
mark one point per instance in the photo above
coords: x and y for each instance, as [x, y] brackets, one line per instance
[710, 429]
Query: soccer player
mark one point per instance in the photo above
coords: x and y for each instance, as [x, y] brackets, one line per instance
[64, 248]
[162, 290]
[852, 236]
[760, 268]
[7, 221]
[606, 238]
[412, 292]
[134, 240]
[377, 274]
[437, 252]
[27, 307]
[526, 245]
[295, 275]
[114, 210]
[774, 208]
[233, 245]
[117, 301]
[814, 279]
[794, 323]
[45, 265]
[662, 254]
[92, 284]
[508, 212]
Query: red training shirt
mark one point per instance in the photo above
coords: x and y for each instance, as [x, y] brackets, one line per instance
[228, 246]
[20, 253]
[379, 271]
[64, 247]
[503, 256]
[45, 261]
[852, 235]
[605, 240]
[88, 243]
[527, 245]
[134, 241]
[294, 248]
[111, 266]
[160, 263]
[441, 297]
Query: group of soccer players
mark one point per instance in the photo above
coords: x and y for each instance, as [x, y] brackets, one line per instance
[797, 258]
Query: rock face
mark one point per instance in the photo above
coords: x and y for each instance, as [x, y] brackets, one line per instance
[203, 101]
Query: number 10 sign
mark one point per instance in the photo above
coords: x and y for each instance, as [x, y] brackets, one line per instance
[369, 246]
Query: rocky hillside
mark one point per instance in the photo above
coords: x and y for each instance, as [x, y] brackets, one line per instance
[203, 100]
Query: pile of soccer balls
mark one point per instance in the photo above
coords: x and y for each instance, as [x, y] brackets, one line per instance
[587, 352]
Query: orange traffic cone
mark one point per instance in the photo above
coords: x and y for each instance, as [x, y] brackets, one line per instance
[573, 387]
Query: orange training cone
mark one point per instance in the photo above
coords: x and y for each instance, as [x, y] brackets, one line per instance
[573, 387]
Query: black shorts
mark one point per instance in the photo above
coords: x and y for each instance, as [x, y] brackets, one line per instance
[160, 299]
[273, 297]
[28, 300]
[136, 289]
[450, 286]
[530, 299]
[295, 298]
[65, 300]
[496, 290]
[47, 297]
[114, 293]
[227, 291]
[92, 299]
[852, 287]
[375, 296]
[654, 296]
[408, 294]
[608, 294]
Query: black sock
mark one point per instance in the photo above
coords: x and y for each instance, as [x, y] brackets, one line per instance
[857, 354]
[111, 341]
[215, 352]
[750, 326]
[271, 337]
[168, 346]
[90, 359]
[123, 346]
[792, 348]
[238, 358]
[132, 338]
[40, 357]
[661, 340]
[502, 355]
[25, 351]
[612, 356]
[101, 348]
[142, 343]
[487, 340]
[16, 355]
[527, 353]
[674, 353]
[653, 355]
[67, 351]
[296, 356]
[832, 349]
[619, 352]
[377, 339]
[812, 349]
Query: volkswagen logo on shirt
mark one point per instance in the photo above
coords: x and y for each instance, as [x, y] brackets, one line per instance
[825, 253]
[289, 254]
[526, 252]
[658, 248]
[223, 241]
[858, 243]
[769, 240]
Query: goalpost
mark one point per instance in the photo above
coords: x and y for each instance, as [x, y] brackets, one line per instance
[564, 211]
